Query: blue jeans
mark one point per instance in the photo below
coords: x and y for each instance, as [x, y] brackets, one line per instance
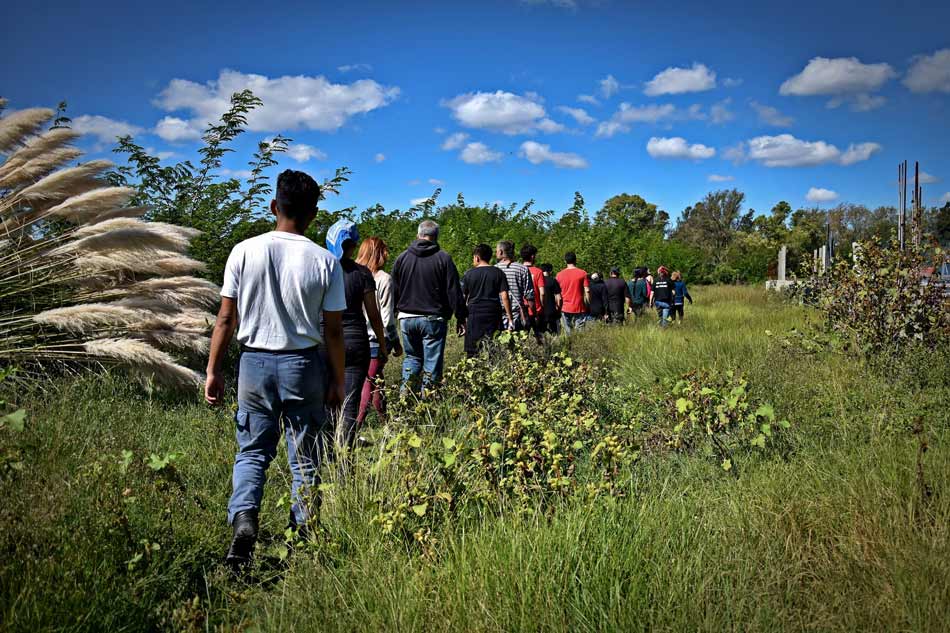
[663, 311]
[275, 387]
[573, 321]
[423, 340]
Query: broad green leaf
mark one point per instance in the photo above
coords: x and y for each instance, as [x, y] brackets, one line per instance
[448, 443]
[495, 450]
[420, 509]
[448, 459]
[15, 421]
[682, 404]
[766, 411]
[415, 441]
[727, 464]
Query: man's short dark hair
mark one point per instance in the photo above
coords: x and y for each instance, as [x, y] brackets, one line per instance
[570, 258]
[528, 252]
[297, 194]
[547, 268]
[483, 252]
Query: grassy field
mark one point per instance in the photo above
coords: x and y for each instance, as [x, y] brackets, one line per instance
[116, 518]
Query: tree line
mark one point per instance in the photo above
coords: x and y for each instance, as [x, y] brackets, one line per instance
[716, 240]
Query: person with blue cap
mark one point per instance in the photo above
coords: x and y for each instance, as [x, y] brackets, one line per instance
[360, 288]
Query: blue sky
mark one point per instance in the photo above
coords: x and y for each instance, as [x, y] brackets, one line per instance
[512, 100]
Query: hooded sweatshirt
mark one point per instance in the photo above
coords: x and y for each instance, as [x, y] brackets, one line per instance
[426, 282]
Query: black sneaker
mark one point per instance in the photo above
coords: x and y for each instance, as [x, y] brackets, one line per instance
[245, 536]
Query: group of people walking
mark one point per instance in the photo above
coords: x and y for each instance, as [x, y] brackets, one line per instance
[316, 328]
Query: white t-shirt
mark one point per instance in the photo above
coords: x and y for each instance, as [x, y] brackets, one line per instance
[282, 283]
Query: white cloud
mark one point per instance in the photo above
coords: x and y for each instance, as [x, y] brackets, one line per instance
[719, 113]
[785, 150]
[771, 116]
[930, 73]
[736, 153]
[817, 194]
[104, 129]
[478, 154]
[627, 114]
[501, 112]
[176, 130]
[536, 153]
[240, 174]
[945, 197]
[348, 68]
[435, 182]
[677, 147]
[454, 141]
[730, 82]
[866, 103]
[580, 114]
[928, 179]
[588, 99]
[860, 152]
[417, 201]
[301, 152]
[563, 4]
[380, 157]
[159, 155]
[550, 127]
[674, 81]
[609, 86]
[719, 178]
[290, 102]
[839, 76]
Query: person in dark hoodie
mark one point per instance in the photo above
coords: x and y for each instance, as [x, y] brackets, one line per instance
[598, 298]
[680, 295]
[662, 297]
[618, 297]
[426, 286]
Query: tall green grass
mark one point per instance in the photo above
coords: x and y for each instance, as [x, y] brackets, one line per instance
[837, 533]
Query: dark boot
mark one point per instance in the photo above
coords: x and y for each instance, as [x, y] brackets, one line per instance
[245, 536]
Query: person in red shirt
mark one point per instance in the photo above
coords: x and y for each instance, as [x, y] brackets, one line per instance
[535, 313]
[575, 292]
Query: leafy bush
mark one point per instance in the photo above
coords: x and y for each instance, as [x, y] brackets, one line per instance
[882, 304]
[715, 415]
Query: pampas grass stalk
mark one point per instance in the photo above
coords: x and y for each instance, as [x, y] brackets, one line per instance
[84, 281]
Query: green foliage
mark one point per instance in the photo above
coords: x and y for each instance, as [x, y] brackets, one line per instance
[882, 303]
[715, 415]
[12, 424]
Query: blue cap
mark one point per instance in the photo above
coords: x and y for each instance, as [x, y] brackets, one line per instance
[341, 231]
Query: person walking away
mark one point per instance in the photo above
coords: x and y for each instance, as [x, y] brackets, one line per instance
[373, 254]
[662, 297]
[485, 288]
[551, 308]
[426, 285]
[641, 292]
[618, 297]
[528, 255]
[598, 298]
[520, 285]
[575, 293]
[277, 287]
[679, 294]
[342, 240]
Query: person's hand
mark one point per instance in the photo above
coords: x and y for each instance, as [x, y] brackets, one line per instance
[214, 389]
[336, 394]
[382, 353]
[511, 327]
[397, 349]
[460, 329]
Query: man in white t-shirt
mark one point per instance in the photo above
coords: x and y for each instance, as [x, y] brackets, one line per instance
[277, 287]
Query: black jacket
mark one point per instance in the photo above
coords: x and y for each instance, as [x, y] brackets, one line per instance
[426, 281]
[598, 298]
[663, 291]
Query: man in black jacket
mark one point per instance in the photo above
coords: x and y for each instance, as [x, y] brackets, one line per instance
[425, 282]
[662, 297]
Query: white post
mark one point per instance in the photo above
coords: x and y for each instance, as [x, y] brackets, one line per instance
[781, 262]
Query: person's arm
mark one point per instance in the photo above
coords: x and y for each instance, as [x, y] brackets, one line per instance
[387, 311]
[528, 298]
[686, 294]
[506, 304]
[224, 327]
[453, 291]
[558, 301]
[333, 335]
[375, 320]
